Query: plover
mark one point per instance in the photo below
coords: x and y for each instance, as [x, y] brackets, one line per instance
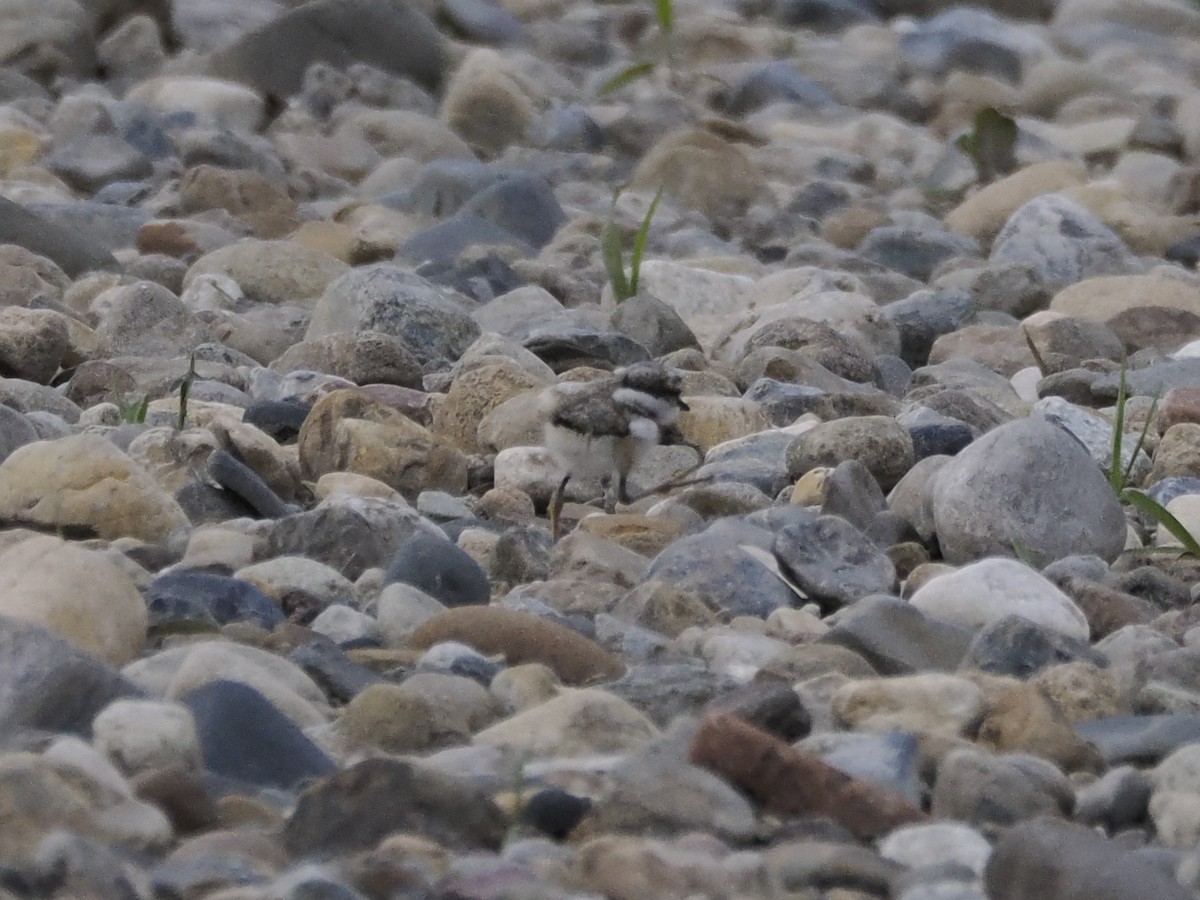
[606, 427]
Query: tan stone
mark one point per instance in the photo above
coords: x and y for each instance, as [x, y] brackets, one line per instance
[700, 171]
[390, 718]
[645, 535]
[352, 483]
[1178, 453]
[1083, 691]
[272, 271]
[473, 395]
[346, 431]
[947, 704]
[487, 102]
[247, 195]
[984, 213]
[84, 480]
[1145, 228]
[714, 420]
[1100, 299]
[77, 593]
[576, 723]
[1022, 718]
[33, 342]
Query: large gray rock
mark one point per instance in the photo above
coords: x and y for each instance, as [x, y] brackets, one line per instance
[1026, 487]
[387, 35]
[1046, 860]
[433, 321]
[74, 250]
[49, 684]
[832, 562]
[1063, 241]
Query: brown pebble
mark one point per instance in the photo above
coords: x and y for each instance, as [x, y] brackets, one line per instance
[522, 638]
[786, 781]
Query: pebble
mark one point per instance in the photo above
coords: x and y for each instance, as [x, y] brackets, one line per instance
[331, 647]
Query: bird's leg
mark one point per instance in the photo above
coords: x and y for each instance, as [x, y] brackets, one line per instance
[623, 488]
[556, 504]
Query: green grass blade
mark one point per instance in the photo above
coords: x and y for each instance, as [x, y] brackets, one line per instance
[1137, 448]
[1114, 467]
[185, 388]
[664, 11]
[627, 76]
[639, 243]
[614, 265]
[1159, 514]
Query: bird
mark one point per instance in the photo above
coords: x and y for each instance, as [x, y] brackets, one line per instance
[605, 428]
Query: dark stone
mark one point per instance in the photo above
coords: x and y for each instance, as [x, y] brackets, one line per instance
[245, 738]
[442, 570]
[1119, 799]
[759, 460]
[852, 492]
[1185, 251]
[826, 15]
[925, 316]
[713, 566]
[483, 279]
[564, 347]
[328, 665]
[204, 503]
[782, 402]
[445, 241]
[777, 82]
[394, 37]
[281, 419]
[897, 638]
[74, 249]
[664, 691]
[238, 478]
[523, 205]
[443, 186]
[113, 227]
[915, 252]
[15, 431]
[482, 22]
[357, 807]
[833, 562]
[1140, 740]
[941, 438]
[1045, 860]
[654, 325]
[554, 812]
[338, 536]
[1018, 647]
[772, 706]
[569, 129]
[892, 375]
[49, 684]
[200, 597]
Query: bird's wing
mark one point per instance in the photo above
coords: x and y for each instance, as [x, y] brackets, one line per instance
[592, 416]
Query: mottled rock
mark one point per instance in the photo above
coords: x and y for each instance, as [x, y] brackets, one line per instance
[993, 792]
[85, 482]
[1026, 484]
[356, 808]
[880, 443]
[832, 562]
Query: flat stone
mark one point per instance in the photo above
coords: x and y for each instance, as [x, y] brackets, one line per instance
[243, 736]
[897, 638]
[832, 562]
[357, 807]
